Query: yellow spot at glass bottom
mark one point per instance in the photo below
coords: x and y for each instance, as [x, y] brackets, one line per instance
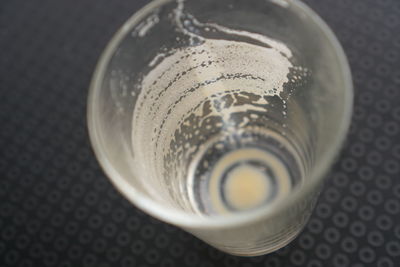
[246, 187]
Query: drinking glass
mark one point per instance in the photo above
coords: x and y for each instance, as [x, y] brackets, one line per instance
[222, 117]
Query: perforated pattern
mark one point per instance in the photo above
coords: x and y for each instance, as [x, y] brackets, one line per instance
[58, 209]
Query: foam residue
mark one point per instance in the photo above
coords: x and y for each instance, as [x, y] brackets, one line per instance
[192, 92]
[142, 29]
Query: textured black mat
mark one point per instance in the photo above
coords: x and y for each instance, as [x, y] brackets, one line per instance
[58, 209]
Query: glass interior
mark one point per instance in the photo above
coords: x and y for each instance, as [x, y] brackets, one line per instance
[195, 93]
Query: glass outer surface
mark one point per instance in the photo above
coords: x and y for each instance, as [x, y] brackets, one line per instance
[325, 103]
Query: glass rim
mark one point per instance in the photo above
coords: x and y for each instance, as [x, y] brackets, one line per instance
[193, 220]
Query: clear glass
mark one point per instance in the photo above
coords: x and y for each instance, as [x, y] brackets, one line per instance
[222, 117]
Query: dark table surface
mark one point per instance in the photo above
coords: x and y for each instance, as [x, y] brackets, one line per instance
[57, 208]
